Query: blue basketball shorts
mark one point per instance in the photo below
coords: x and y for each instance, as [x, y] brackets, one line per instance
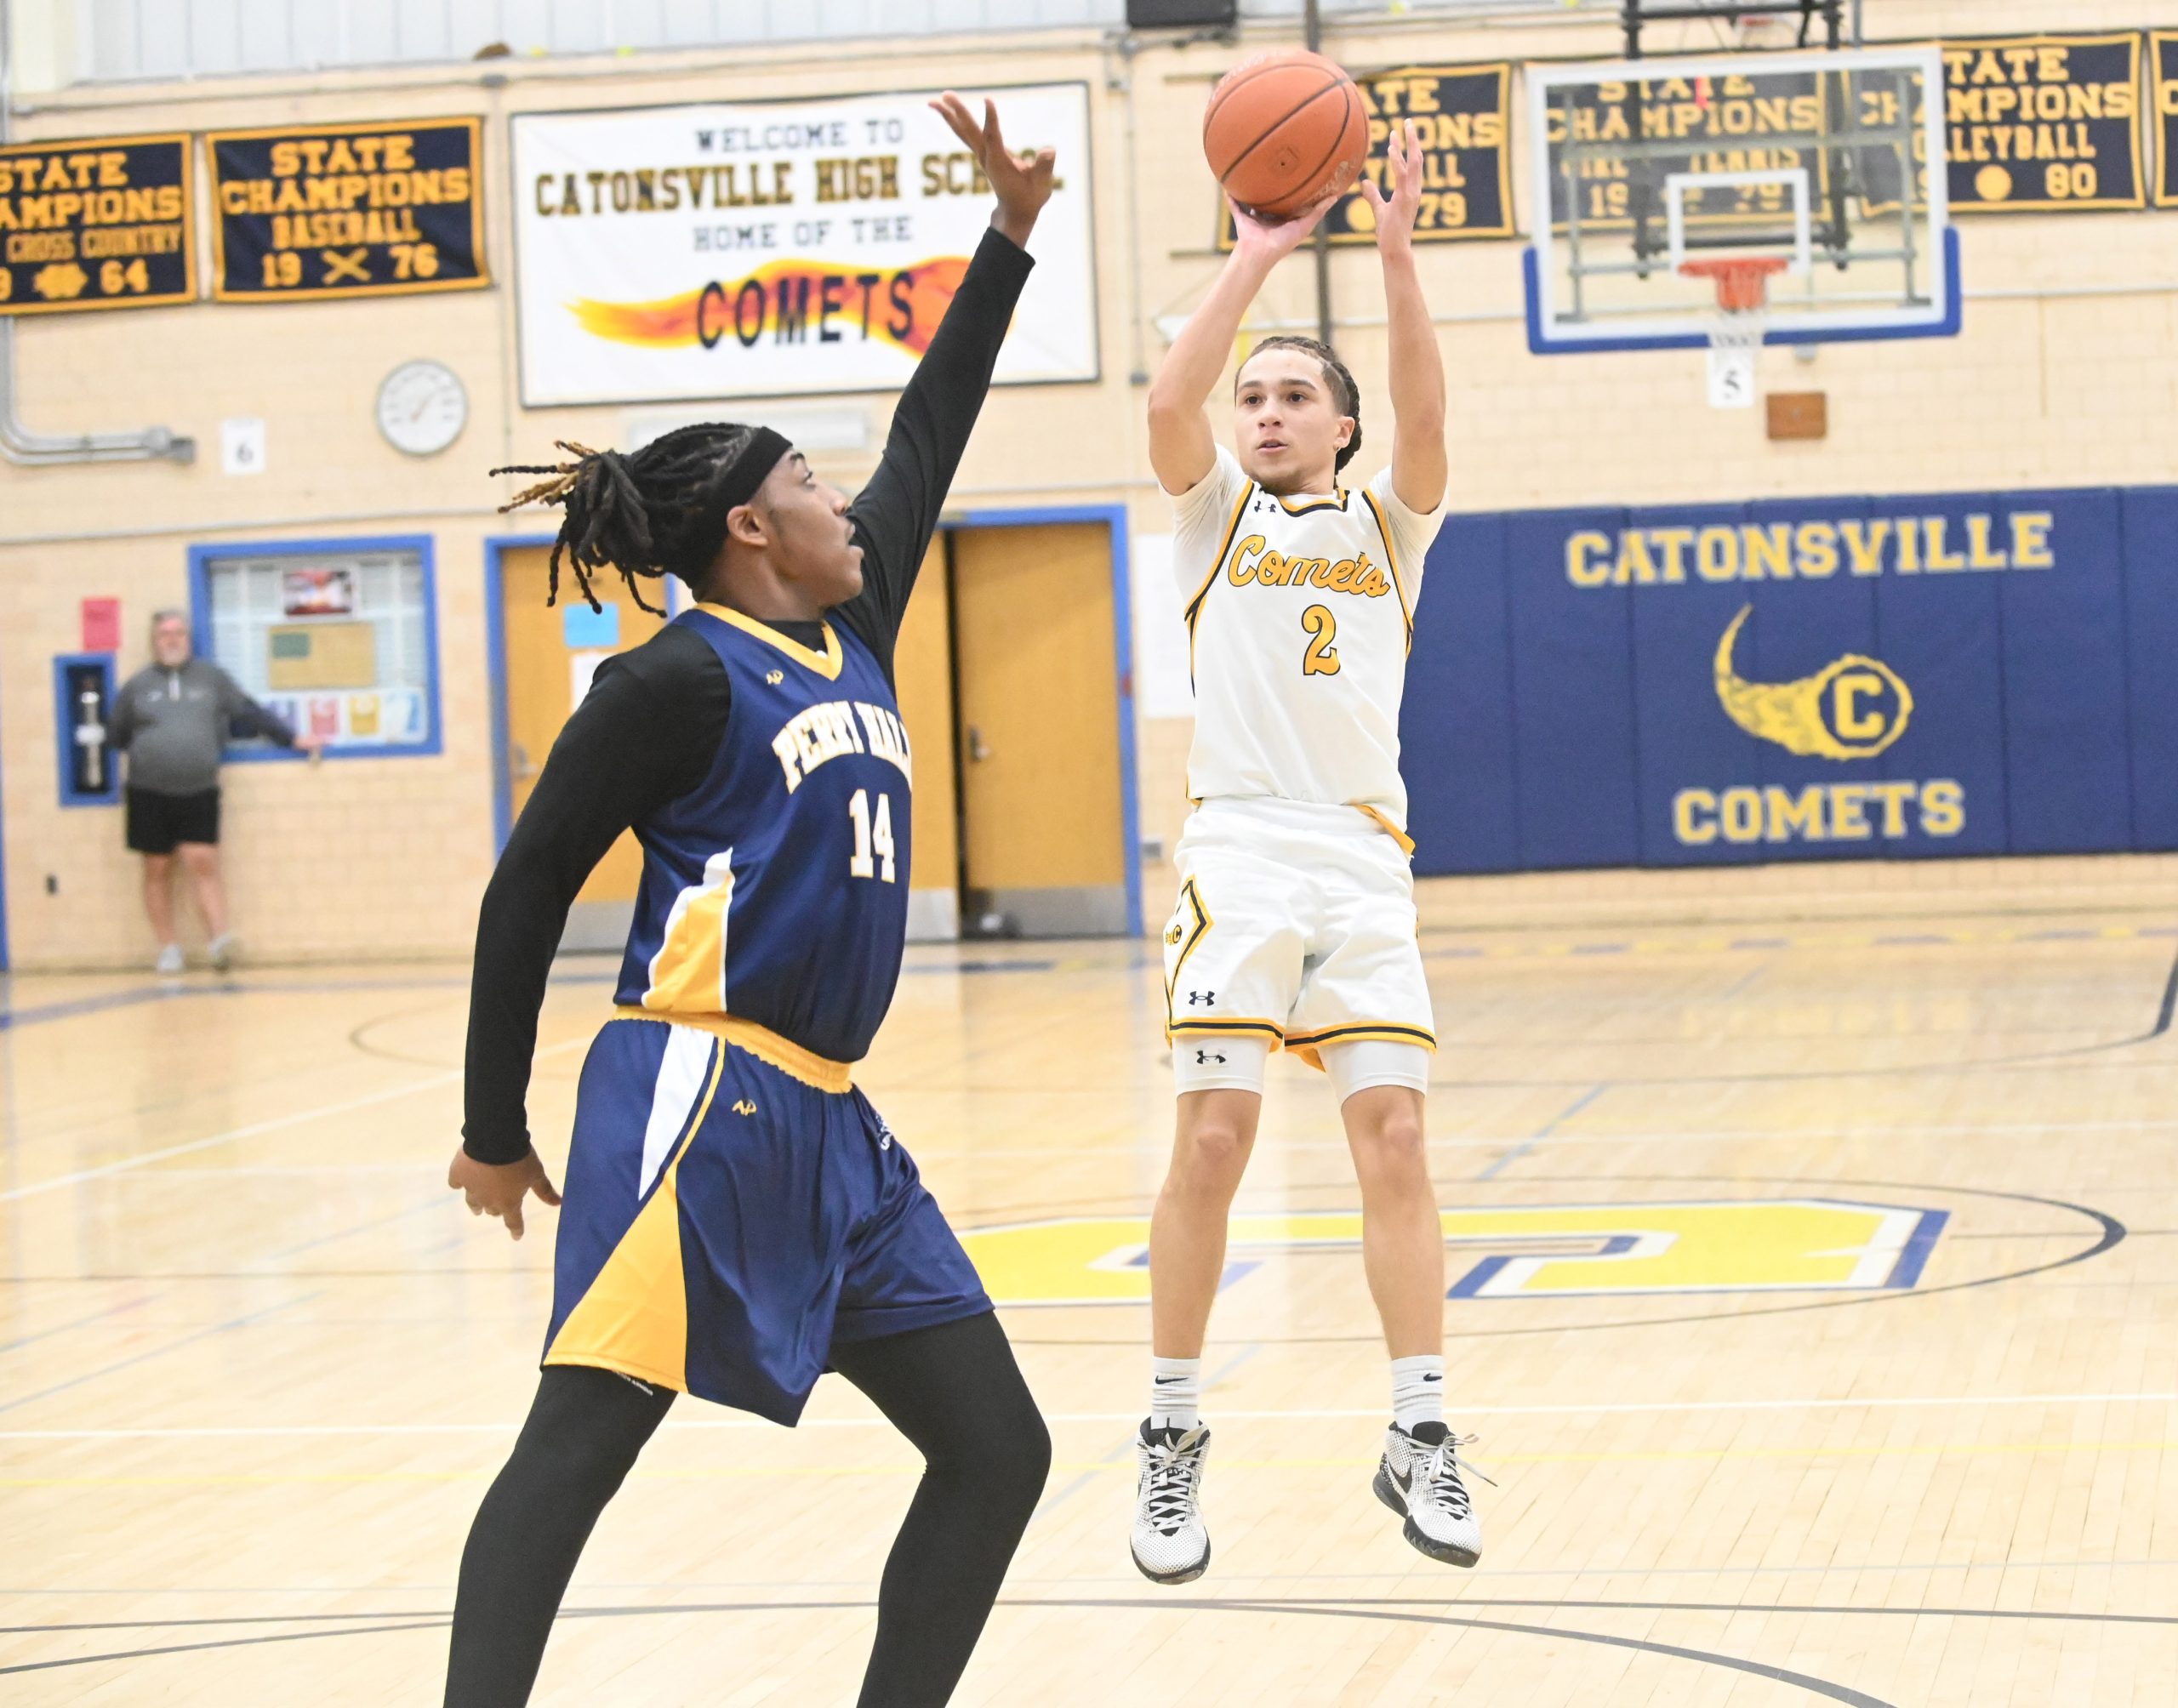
[733, 1209]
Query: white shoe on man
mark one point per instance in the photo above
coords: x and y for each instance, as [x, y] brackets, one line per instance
[170, 964]
[1419, 1478]
[1171, 1543]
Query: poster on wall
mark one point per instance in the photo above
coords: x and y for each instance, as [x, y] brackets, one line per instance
[381, 210]
[2163, 46]
[2045, 124]
[1462, 114]
[777, 248]
[105, 222]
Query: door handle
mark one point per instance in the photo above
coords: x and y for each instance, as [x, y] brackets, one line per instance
[978, 749]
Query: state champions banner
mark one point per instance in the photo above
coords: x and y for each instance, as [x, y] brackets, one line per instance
[782, 248]
[104, 222]
[1462, 116]
[350, 210]
[2163, 44]
[2045, 124]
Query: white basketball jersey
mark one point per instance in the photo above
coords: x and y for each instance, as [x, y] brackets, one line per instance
[1300, 613]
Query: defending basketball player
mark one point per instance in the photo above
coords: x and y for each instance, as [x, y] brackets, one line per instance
[1295, 927]
[739, 1218]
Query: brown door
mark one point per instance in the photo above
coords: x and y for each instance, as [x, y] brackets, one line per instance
[923, 672]
[544, 672]
[1038, 672]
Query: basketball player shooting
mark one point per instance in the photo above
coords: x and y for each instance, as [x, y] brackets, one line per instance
[1296, 925]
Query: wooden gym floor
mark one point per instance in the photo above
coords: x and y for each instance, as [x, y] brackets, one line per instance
[1818, 1320]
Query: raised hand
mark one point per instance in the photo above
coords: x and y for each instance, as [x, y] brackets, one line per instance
[1022, 186]
[1273, 240]
[1395, 212]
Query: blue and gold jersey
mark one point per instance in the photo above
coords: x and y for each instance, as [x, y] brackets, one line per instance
[776, 891]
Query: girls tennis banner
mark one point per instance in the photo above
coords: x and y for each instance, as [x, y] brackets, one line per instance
[782, 248]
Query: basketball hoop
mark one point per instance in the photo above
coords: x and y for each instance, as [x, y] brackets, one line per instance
[1738, 322]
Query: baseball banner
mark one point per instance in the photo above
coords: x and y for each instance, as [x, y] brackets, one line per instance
[352, 210]
[776, 248]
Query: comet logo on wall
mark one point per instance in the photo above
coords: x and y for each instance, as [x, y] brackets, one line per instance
[1853, 708]
[789, 302]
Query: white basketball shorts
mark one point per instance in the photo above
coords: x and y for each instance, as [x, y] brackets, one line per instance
[1295, 925]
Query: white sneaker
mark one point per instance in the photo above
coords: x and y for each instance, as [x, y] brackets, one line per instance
[169, 962]
[1171, 1543]
[222, 951]
[1421, 1480]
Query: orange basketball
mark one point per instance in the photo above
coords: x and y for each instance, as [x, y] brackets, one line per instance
[1285, 130]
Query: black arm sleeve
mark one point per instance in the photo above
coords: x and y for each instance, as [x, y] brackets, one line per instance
[646, 734]
[897, 512]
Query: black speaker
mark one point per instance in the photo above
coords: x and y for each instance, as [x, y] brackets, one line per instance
[1182, 14]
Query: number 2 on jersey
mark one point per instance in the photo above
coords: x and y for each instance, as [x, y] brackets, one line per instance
[871, 838]
[1320, 657]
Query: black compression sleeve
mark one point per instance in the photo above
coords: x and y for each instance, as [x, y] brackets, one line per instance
[897, 513]
[646, 733]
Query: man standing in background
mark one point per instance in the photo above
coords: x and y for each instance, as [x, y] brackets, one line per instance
[172, 719]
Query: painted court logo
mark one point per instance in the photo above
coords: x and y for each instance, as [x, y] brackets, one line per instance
[1853, 708]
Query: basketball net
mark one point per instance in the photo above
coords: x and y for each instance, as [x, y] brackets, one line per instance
[1737, 324]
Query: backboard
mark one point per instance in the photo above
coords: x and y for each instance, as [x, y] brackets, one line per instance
[1818, 159]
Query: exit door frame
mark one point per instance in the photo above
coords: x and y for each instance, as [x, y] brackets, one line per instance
[1114, 519]
[496, 548]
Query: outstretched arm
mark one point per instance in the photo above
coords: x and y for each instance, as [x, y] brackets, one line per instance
[897, 511]
[1181, 448]
[1419, 464]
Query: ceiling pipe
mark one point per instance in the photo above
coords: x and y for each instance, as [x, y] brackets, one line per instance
[18, 444]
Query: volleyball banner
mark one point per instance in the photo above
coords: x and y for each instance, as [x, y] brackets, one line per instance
[782, 249]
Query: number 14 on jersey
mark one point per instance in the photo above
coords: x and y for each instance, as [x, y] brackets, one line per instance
[873, 837]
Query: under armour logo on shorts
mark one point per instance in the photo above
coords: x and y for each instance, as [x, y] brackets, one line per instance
[1202, 998]
[1204, 1058]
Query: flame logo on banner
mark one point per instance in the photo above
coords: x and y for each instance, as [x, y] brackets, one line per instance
[924, 290]
[1852, 707]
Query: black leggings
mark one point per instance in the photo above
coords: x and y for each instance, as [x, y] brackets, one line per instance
[954, 1391]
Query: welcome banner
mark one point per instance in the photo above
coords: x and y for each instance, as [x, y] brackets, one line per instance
[1845, 678]
[782, 248]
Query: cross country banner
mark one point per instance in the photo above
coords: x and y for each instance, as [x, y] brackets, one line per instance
[96, 223]
[776, 248]
[352, 210]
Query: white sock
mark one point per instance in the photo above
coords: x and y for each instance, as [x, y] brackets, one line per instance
[1175, 1392]
[1418, 1392]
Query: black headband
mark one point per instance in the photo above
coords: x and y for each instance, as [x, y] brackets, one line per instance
[737, 486]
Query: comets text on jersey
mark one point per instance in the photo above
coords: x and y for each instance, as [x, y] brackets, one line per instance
[834, 727]
[1254, 563]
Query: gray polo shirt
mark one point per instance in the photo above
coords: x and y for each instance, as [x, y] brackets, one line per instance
[173, 725]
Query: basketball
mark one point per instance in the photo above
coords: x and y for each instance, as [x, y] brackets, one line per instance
[1285, 130]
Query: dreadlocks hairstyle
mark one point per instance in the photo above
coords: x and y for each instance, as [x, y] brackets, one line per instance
[652, 513]
[1344, 392]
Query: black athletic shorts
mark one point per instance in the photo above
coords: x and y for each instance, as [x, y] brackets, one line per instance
[158, 823]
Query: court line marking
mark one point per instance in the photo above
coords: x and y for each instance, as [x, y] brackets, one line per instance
[233, 1322]
[256, 1128]
[1545, 1130]
[1599, 1409]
